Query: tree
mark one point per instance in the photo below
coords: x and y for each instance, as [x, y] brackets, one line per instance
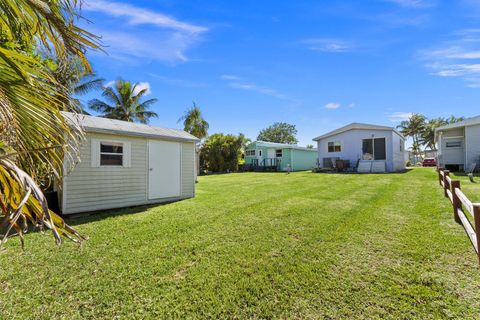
[427, 136]
[413, 127]
[125, 103]
[310, 146]
[279, 132]
[221, 152]
[194, 123]
[33, 133]
[71, 73]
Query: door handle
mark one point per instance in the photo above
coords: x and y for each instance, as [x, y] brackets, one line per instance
[151, 169]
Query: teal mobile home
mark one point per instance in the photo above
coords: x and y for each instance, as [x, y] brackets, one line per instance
[264, 156]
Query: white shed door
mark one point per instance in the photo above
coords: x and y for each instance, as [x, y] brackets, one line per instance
[164, 169]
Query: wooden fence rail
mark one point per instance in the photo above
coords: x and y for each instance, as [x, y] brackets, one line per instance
[462, 204]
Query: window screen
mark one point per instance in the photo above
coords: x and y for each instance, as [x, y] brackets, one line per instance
[111, 154]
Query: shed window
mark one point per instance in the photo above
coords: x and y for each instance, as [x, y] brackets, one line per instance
[279, 153]
[111, 154]
[334, 146]
[453, 144]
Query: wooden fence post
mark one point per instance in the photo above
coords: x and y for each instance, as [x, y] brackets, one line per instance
[456, 201]
[446, 185]
[476, 218]
[439, 170]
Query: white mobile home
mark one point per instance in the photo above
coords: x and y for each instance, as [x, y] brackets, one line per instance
[126, 164]
[459, 145]
[366, 147]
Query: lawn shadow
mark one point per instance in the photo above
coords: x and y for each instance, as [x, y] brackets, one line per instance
[92, 216]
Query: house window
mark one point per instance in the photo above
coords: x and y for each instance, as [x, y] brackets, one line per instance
[334, 146]
[453, 144]
[374, 149]
[401, 146]
[250, 153]
[279, 153]
[111, 154]
[259, 153]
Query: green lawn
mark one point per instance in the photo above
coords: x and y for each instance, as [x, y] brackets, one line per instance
[258, 245]
[471, 190]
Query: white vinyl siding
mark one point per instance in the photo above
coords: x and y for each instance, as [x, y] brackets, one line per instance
[188, 170]
[472, 145]
[89, 187]
[351, 147]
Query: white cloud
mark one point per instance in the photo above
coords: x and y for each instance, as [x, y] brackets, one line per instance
[110, 83]
[230, 77]
[351, 105]
[416, 4]
[165, 39]
[457, 57]
[136, 15]
[237, 82]
[142, 86]
[399, 116]
[259, 89]
[177, 82]
[332, 105]
[328, 45]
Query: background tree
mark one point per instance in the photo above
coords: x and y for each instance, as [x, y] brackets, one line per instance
[413, 127]
[75, 79]
[124, 103]
[221, 152]
[194, 123]
[33, 133]
[427, 136]
[279, 132]
[310, 146]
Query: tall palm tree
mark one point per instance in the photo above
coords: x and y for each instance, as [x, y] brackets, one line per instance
[194, 123]
[33, 133]
[70, 72]
[124, 103]
[427, 136]
[413, 127]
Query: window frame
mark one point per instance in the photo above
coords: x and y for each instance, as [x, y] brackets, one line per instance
[111, 143]
[373, 153]
[459, 144]
[336, 146]
[250, 153]
[278, 153]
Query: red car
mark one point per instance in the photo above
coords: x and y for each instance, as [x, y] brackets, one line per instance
[429, 162]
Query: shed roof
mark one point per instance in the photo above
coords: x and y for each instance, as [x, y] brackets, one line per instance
[281, 145]
[465, 123]
[357, 126]
[111, 126]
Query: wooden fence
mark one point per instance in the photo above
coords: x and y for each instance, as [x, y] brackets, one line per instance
[462, 204]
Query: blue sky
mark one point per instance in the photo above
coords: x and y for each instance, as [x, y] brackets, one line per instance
[315, 64]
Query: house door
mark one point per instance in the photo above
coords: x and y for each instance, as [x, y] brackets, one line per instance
[260, 157]
[374, 149]
[164, 160]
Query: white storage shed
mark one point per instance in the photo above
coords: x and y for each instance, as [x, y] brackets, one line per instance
[126, 164]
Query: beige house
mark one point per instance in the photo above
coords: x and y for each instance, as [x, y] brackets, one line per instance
[126, 164]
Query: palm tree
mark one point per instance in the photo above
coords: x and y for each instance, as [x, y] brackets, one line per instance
[125, 103]
[33, 133]
[427, 136]
[71, 73]
[194, 123]
[413, 127]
